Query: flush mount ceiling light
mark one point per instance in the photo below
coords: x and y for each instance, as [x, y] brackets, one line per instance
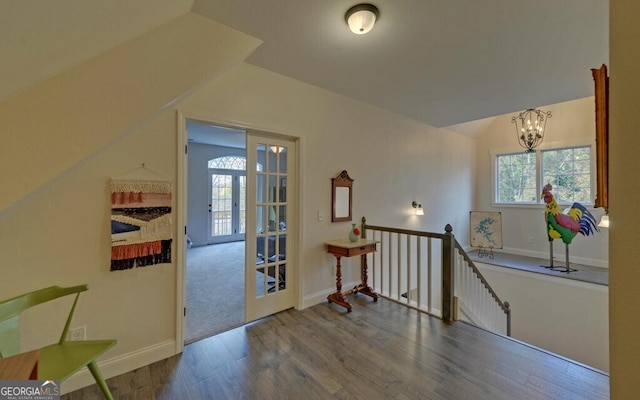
[361, 18]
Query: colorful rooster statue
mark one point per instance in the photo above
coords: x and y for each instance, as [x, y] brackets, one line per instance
[567, 224]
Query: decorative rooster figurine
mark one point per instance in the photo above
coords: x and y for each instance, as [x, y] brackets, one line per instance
[567, 224]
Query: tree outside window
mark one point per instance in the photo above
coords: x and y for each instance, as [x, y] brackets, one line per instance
[520, 176]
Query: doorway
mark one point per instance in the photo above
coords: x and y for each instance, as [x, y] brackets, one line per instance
[241, 207]
[216, 225]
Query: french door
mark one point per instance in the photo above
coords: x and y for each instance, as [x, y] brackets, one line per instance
[271, 228]
[227, 205]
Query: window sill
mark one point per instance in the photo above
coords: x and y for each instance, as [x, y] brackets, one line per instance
[584, 273]
[537, 205]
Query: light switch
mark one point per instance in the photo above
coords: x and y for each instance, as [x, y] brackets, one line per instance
[320, 215]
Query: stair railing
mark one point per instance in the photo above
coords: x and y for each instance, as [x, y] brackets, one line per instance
[476, 298]
[432, 273]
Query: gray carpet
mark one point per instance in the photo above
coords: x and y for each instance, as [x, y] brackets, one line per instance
[215, 289]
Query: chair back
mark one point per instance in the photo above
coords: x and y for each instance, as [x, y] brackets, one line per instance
[10, 310]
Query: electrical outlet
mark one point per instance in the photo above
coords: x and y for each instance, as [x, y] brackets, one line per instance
[530, 240]
[320, 215]
[79, 333]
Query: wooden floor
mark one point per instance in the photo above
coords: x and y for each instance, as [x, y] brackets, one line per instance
[379, 351]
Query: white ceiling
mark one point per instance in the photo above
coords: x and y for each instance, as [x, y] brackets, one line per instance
[200, 132]
[443, 62]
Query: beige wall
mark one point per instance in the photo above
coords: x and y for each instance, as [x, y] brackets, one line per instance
[393, 160]
[63, 140]
[54, 219]
[564, 316]
[58, 233]
[624, 154]
[71, 116]
[572, 123]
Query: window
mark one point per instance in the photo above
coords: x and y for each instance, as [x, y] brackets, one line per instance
[228, 162]
[517, 178]
[569, 172]
[520, 176]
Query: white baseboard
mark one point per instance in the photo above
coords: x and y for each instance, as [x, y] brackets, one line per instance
[121, 364]
[319, 297]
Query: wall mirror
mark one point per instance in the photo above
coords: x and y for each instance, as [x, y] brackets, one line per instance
[341, 195]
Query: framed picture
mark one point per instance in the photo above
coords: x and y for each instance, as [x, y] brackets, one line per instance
[486, 229]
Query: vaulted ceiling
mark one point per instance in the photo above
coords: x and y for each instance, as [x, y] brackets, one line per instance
[442, 62]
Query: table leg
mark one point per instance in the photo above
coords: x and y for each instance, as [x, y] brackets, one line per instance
[364, 287]
[337, 297]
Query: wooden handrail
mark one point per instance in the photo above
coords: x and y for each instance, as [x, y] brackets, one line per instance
[403, 231]
[449, 244]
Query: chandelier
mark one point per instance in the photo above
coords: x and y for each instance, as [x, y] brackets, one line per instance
[530, 126]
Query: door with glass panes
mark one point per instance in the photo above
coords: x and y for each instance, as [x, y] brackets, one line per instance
[227, 206]
[271, 228]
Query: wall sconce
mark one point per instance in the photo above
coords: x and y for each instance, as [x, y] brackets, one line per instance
[418, 207]
[361, 18]
[604, 220]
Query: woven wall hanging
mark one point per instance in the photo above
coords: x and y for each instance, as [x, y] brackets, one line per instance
[140, 224]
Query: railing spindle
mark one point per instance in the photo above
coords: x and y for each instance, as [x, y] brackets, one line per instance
[460, 277]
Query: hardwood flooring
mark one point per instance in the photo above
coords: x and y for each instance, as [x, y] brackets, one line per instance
[380, 350]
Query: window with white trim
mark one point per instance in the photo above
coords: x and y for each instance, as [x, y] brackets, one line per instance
[521, 176]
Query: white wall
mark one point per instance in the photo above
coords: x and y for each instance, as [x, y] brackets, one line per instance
[563, 316]
[62, 141]
[393, 161]
[65, 119]
[55, 216]
[572, 122]
[62, 237]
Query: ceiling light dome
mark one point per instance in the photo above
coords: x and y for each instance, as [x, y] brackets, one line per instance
[361, 18]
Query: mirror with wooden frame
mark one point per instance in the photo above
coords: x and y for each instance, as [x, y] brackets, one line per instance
[602, 136]
[341, 197]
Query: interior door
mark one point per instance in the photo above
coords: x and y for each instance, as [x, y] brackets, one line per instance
[271, 232]
[227, 206]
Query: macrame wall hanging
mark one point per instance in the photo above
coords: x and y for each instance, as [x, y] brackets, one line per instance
[140, 223]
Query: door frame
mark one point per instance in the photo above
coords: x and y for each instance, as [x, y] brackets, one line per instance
[181, 215]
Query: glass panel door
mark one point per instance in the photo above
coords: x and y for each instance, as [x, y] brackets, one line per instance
[227, 206]
[270, 262]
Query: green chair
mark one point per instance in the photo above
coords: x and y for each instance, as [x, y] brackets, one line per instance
[60, 360]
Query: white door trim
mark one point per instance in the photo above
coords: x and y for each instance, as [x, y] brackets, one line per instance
[181, 214]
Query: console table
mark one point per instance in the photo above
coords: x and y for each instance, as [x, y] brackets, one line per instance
[347, 248]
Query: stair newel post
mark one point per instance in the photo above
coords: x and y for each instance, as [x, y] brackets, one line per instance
[448, 257]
